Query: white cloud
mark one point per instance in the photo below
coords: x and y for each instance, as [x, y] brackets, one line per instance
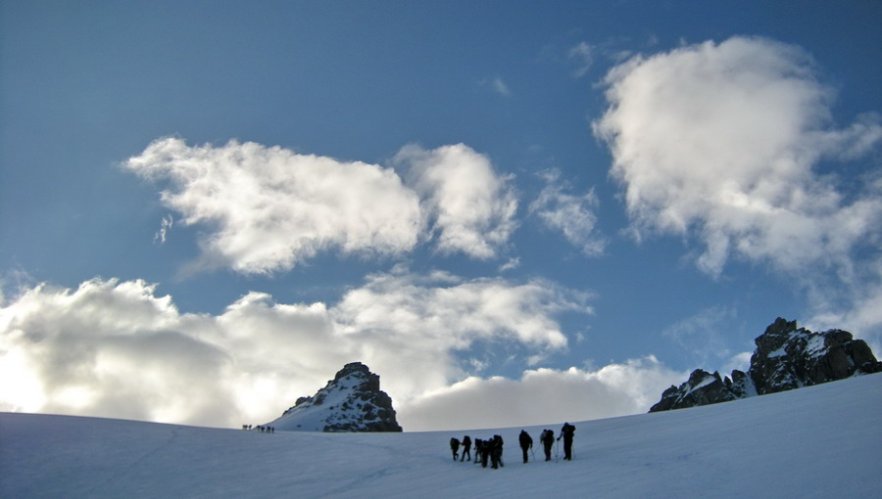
[511, 264]
[165, 226]
[720, 141]
[470, 207]
[858, 309]
[115, 348]
[268, 208]
[572, 215]
[543, 396]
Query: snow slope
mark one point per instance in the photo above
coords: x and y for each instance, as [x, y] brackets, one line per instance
[820, 441]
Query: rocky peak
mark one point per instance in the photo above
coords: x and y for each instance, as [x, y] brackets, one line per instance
[776, 334]
[701, 388]
[786, 357]
[351, 402]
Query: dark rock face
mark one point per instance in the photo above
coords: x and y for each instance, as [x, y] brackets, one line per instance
[786, 357]
[702, 388]
[351, 402]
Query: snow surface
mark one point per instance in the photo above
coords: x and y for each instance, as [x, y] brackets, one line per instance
[820, 441]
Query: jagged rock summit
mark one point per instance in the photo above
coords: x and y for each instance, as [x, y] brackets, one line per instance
[351, 402]
[786, 357]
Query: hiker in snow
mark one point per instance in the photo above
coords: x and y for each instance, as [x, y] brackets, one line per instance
[547, 439]
[526, 443]
[454, 447]
[496, 452]
[482, 451]
[466, 448]
[566, 432]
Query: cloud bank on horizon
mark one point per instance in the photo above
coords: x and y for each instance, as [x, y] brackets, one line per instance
[114, 348]
[718, 143]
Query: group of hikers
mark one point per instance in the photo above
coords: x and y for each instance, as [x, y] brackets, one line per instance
[491, 449]
[261, 428]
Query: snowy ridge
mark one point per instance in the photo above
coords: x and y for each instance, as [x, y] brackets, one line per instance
[820, 441]
[351, 402]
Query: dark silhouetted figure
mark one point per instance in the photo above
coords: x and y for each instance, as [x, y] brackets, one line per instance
[496, 452]
[482, 451]
[567, 432]
[547, 439]
[454, 447]
[526, 443]
[466, 448]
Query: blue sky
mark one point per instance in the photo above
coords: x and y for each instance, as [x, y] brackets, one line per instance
[207, 208]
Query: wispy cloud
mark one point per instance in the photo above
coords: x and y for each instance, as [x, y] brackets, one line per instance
[703, 334]
[165, 226]
[511, 264]
[497, 85]
[572, 215]
[582, 55]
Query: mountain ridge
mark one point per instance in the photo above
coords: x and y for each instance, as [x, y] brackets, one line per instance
[786, 357]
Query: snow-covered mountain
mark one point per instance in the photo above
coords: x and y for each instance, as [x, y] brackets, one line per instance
[786, 357]
[352, 401]
[820, 441]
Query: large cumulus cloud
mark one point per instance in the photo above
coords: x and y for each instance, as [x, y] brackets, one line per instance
[722, 141]
[118, 348]
[734, 144]
[266, 209]
[470, 206]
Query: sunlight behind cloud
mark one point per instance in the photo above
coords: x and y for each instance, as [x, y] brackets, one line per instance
[145, 360]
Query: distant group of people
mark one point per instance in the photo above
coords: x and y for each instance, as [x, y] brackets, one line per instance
[491, 449]
[260, 428]
[487, 451]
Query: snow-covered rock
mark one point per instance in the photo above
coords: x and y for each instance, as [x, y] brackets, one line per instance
[786, 357]
[351, 402]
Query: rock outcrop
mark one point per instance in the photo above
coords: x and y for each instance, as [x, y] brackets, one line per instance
[351, 402]
[786, 357]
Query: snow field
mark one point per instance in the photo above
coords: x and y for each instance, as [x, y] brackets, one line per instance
[820, 441]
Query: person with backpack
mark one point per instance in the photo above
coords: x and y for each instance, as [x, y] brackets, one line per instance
[566, 432]
[454, 447]
[482, 451]
[547, 439]
[526, 443]
[466, 448]
[496, 451]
